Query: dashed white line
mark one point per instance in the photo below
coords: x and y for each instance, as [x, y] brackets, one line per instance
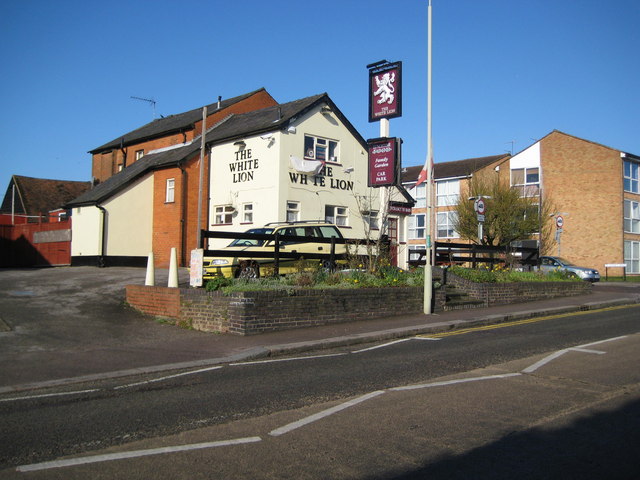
[453, 382]
[325, 413]
[382, 346]
[192, 372]
[47, 395]
[133, 454]
[277, 360]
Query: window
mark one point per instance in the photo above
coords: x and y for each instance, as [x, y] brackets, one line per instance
[631, 216]
[446, 222]
[224, 215]
[316, 148]
[419, 193]
[631, 177]
[447, 192]
[371, 219]
[526, 180]
[139, 154]
[416, 226]
[247, 213]
[337, 215]
[293, 211]
[632, 256]
[170, 194]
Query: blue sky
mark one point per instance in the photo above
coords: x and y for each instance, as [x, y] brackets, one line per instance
[503, 70]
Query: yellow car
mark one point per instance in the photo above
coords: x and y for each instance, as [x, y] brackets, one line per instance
[251, 255]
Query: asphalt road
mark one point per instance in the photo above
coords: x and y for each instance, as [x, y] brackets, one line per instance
[152, 408]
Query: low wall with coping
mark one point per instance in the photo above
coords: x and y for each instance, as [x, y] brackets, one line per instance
[247, 313]
[508, 293]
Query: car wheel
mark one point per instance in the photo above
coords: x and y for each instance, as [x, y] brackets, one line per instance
[248, 270]
[328, 265]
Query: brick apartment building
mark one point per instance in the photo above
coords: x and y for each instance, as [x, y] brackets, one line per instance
[595, 188]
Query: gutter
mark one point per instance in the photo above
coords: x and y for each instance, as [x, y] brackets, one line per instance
[101, 262]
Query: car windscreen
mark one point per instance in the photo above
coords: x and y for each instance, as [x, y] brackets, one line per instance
[565, 262]
[250, 242]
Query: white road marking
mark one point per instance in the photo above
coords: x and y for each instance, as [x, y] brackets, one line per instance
[427, 338]
[325, 413]
[453, 382]
[579, 348]
[192, 372]
[46, 395]
[276, 360]
[587, 350]
[133, 454]
[382, 346]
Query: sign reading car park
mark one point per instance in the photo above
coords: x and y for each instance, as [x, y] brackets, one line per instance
[383, 161]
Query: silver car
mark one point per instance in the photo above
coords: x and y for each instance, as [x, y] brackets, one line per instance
[548, 264]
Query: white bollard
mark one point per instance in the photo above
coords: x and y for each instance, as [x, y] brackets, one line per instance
[173, 270]
[150, 280]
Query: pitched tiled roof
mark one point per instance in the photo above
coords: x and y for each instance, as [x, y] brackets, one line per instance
[454, 169]
[35, 196]
[169, 124]
[233, 127]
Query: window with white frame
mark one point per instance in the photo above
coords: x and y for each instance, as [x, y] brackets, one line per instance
[247, 213]
[631, 216]
[223, 215]
[447, 192]
[416, 226]
[419, 193]
[139, 154]
[336, 215]
[446, 222]
[371, 219]
[317, 148]
[526, 180]
[632, 256]
[293, 211]
[170, 192]
[631, 176]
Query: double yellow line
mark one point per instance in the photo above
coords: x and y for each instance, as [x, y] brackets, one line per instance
[463, 331]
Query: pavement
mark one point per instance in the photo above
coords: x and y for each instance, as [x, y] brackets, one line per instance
[67, 325]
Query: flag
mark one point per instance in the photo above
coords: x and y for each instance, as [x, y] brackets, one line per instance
[423, 173]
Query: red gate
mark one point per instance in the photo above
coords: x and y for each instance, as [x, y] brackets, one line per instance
[36, 244]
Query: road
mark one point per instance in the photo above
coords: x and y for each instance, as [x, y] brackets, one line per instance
[227, 401]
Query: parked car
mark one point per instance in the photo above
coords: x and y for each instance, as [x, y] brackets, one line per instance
[548, 264]
[248, 266]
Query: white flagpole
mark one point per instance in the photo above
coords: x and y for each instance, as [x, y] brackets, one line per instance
[428, 275]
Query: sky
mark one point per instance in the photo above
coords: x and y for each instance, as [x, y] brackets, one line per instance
[505, 72]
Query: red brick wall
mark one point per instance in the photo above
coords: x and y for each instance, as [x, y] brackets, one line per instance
[160, 301]
[175, 224]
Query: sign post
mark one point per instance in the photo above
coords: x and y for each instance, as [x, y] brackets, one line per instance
[480, 207]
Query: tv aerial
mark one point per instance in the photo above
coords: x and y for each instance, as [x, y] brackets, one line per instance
[150, 101]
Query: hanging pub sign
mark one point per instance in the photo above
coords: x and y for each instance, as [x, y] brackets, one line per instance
[385, 90]
[384, 161]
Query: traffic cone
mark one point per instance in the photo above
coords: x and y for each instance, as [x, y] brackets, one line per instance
[150, 280]
[173, 270]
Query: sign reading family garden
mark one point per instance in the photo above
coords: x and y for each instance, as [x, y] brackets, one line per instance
[383, 161]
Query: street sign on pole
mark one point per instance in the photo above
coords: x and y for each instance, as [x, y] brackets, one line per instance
[559, 222]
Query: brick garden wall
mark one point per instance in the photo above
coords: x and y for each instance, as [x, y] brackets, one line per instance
[247, 313]
[508, 293]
